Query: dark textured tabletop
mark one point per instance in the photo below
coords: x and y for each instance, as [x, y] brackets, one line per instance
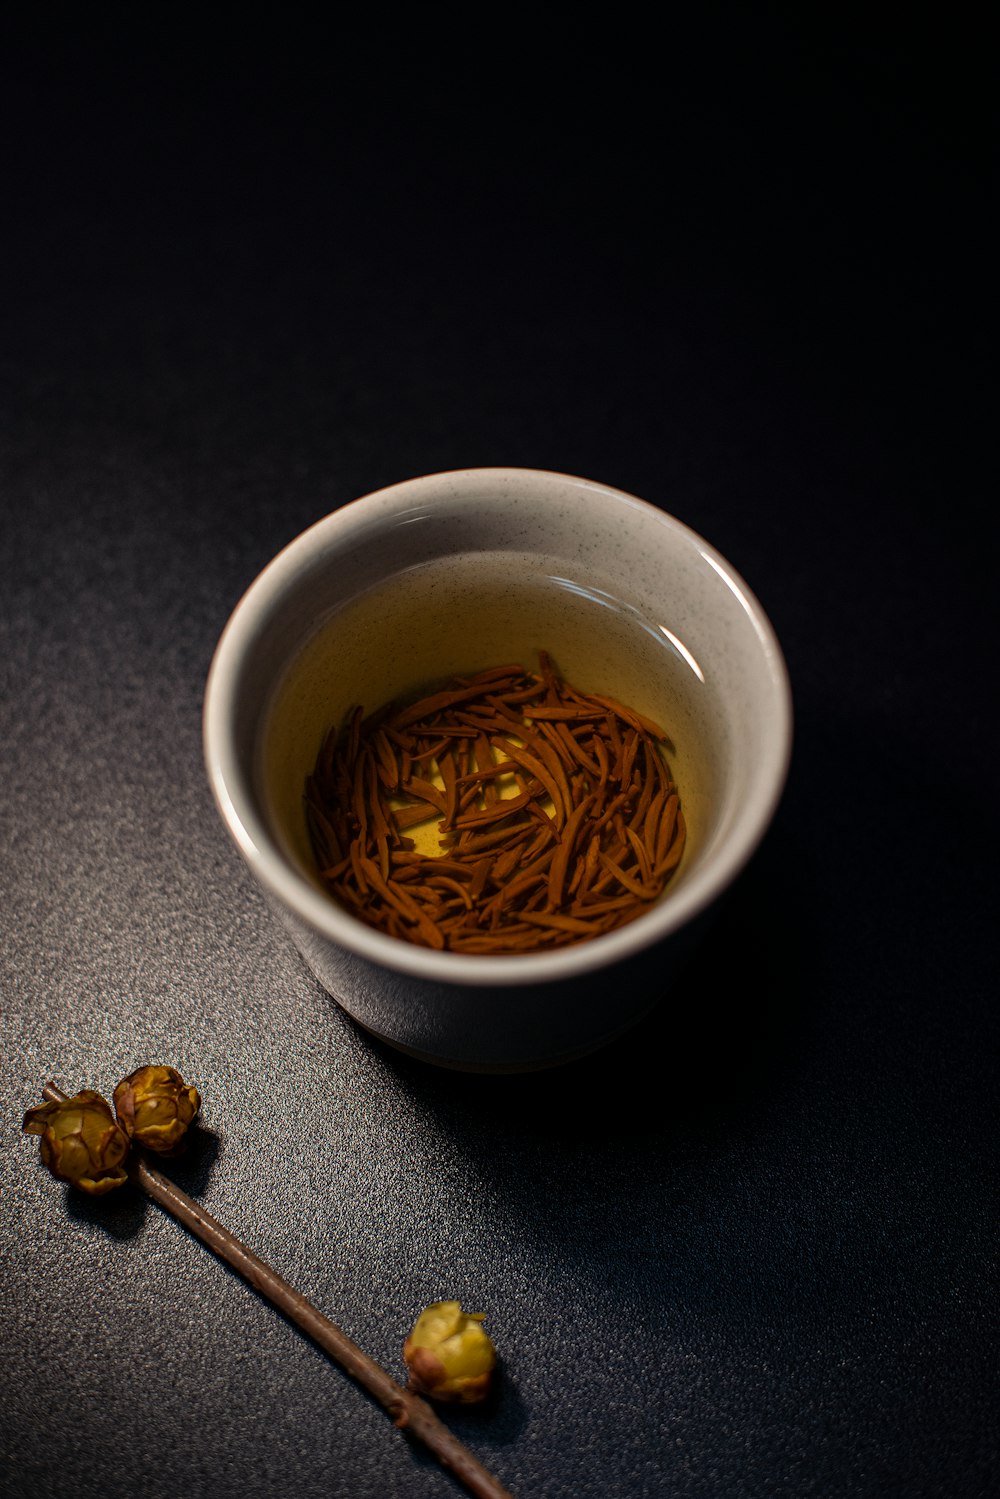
[751, 1249]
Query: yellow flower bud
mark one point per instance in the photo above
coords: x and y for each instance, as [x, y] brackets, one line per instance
[448, 1355]
[155, 1106]
[81, 1143]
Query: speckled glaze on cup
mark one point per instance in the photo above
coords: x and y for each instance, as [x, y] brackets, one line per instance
[453, 572]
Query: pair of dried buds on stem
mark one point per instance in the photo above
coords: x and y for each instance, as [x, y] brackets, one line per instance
[448, 1355]
[84, 1144]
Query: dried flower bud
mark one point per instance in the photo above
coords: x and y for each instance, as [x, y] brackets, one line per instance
[155, 1106]
[448, 1355]
[81, 1143]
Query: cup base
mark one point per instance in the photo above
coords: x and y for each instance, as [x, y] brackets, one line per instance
[507, 1028]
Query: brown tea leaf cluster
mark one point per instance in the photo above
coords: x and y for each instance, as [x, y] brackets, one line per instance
[557, 814]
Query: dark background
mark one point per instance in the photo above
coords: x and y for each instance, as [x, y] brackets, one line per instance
[741, 269]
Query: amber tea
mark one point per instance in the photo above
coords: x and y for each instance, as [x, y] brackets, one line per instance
[558, 817]
[460, 618]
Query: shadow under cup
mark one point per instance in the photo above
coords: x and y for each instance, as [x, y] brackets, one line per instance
[448, 575]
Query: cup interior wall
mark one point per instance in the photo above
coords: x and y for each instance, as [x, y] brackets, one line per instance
[349, 635]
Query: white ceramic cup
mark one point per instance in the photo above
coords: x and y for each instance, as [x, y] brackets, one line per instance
[452, 573]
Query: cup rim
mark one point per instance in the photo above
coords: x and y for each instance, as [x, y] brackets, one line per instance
[236, 802]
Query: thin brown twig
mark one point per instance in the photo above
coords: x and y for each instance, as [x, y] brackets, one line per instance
[408, 1411]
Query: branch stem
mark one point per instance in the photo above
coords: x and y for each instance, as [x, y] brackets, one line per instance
[408, 1411]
